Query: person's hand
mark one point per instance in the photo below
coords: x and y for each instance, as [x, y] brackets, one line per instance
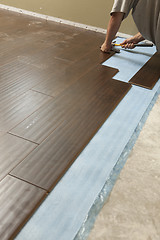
[129, 43]
[106, 47]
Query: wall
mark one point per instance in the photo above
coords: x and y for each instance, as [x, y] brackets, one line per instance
[90, 12]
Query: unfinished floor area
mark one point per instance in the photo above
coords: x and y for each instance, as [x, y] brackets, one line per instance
[132, 209]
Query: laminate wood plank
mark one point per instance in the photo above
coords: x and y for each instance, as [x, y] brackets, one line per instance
[66, 51]
[31, 24]
[36, 22]
[12, 151]
[33, 35]
[54, 156]
[17, 78]
[11, 23]
[89, 36]
[14, 26]
[41, 123]
[14, 49]
[31, 52]
[69, 47]
[73, 53]
[18, 201]
[44, 60]
[18, 25]
[149, 74]
[17, 109]
[55, 83]
[29, 36]
[81, 44]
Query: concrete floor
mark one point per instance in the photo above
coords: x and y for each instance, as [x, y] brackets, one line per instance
[132, 211]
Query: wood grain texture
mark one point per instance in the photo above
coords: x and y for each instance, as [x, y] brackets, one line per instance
[18, 200]
[15, 110]
[94, 99]
[12, 151]
[44, 121]
[149, 74]
[17, 78]
[57, 82]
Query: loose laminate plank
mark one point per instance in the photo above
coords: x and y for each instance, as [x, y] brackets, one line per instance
[12, 151]
[18, 201]
[54, 156]
[149, 74]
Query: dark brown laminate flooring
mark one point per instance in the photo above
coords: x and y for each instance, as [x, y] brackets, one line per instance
[149, 74]
[18, 201]
[54, 96]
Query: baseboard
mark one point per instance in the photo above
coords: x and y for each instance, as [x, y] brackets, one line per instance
[59, 20]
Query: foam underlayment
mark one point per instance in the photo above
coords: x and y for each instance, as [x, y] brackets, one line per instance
[128, 62]
[69, 210]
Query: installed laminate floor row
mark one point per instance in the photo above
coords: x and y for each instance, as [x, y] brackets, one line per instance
[18, 201]
[54, 96]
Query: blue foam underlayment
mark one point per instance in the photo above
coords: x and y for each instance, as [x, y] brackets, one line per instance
[128, 62]
[63, 213]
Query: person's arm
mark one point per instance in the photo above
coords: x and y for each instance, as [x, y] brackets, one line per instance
[129, 43]
[112, 29]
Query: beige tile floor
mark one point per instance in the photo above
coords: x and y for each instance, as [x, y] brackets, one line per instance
[132, 211]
